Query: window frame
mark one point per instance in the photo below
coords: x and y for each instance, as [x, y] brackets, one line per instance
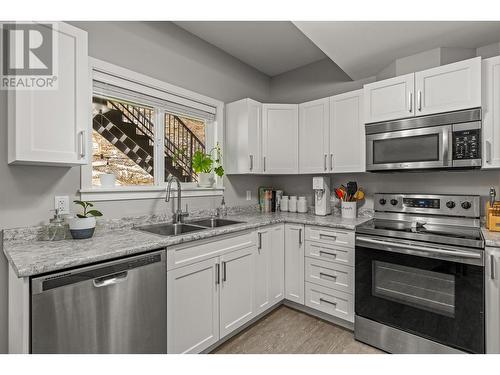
[117, 75]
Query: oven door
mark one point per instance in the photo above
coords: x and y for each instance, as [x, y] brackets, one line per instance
[409, 149]
[435, 293]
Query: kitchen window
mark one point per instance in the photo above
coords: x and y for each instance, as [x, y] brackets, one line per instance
[143, 131]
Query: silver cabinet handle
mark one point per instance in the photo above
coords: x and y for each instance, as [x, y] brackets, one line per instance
[300, 236]
[251, 162]
[488, 152]
[327, 275]
[331, 162]
[492, 267]
[324, 162]
[327, 253]
[224, 276]
[82, 144]
[264, 163]
[419, 100]
[410, 102]
[217, 274]
[110, 280]
[260, 240]
[329, 302]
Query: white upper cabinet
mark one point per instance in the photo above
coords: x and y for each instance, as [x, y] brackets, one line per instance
[280, 139]
[314, 136]
[449, 87]
[389, 99]
[243, 146]
[347, 133]
[491, 112]
[52, 127]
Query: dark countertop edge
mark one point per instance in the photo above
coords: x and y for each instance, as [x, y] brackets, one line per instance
[163, 242]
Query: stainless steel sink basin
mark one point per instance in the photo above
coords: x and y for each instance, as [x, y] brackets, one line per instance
[214, 222]
[171, 229]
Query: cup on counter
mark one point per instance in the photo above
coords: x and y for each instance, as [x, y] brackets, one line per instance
[292, 204]
[302, 205]
[349, 210]
[284, 203]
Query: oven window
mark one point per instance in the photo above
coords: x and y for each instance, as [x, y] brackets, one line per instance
[406, 149]
[428, 290]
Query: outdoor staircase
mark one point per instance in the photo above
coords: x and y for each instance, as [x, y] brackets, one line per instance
[130, 129]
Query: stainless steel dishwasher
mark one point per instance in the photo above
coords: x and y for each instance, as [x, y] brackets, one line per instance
[114, 307]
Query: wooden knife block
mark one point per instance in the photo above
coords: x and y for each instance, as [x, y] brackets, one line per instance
[493, 217]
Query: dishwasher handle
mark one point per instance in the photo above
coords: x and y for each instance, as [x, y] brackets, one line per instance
[110, 279]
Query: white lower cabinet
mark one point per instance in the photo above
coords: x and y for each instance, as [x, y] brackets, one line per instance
[294, 263]
[269, 267]
[237, 289]
[492, 282]
[330, 301]
[193, 307]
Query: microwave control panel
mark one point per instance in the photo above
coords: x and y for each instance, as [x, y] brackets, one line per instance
[466, 144]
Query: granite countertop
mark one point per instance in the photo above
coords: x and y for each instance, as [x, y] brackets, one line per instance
[491, 239]
[32, 257]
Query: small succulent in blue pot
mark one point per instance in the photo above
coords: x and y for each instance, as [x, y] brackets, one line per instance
[83, 225]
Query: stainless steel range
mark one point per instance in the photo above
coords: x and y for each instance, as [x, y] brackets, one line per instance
[419, 275]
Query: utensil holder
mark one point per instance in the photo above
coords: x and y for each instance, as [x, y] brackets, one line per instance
[349, 210]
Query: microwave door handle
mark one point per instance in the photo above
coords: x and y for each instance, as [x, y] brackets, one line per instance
[446, 142]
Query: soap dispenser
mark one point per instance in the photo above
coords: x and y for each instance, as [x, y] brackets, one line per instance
[222, 210]
[56, 229]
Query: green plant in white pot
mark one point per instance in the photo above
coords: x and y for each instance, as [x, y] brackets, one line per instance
[205, 165]
[83, 225]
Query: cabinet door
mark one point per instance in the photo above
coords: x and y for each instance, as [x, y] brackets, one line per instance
[277, 261]
[313, 136]
[294, 263]
[449, 87]
[193, 307]
[280, 124]
[491, 112]
[347, 133]
[243, 137]
[492, 300]
[263, 270]
[237, 289]
[389, 99]
[52, 127]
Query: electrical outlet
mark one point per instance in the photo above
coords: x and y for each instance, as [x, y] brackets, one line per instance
[249, 195]
[62, 204]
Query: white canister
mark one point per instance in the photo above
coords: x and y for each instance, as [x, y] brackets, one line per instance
[107, 180]
[349, 210]
[292, 204]
[302, 205]
[284, 203]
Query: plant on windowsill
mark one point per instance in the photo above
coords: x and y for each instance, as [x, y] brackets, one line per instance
[205, 165]
[83, 225]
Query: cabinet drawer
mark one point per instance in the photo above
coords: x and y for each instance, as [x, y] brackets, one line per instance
[331, 275]
[196, 251]
[330, 301]
[331, 253]
[330, 236]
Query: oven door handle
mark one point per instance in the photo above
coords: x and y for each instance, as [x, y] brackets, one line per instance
[431, 250]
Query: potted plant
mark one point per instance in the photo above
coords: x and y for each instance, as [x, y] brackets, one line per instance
[83, 225]
[206, 164]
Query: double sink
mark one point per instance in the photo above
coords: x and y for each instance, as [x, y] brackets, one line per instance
[183, 228]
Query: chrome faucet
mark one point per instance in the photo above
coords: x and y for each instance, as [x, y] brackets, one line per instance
[178, 215]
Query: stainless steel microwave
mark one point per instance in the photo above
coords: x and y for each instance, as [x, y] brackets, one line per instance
[447, 140]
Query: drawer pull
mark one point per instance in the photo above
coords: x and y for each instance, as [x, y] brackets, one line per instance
[321, 274]
[329, 302]
[327, 237]
[322, 252]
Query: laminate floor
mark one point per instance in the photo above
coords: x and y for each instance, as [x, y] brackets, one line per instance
[287, 331]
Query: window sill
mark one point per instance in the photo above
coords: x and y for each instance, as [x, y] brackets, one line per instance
[145, 192]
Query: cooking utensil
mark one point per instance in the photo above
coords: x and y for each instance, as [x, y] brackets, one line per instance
[359, 195]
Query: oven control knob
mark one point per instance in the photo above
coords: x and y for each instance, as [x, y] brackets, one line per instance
[450, 204]
[466, 205]
[382, 201]
[394, 202]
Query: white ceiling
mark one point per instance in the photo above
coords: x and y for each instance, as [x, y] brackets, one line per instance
[362, 48]
[272, 47]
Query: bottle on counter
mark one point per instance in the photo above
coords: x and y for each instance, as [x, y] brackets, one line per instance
[56, 230]
[222, 210]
